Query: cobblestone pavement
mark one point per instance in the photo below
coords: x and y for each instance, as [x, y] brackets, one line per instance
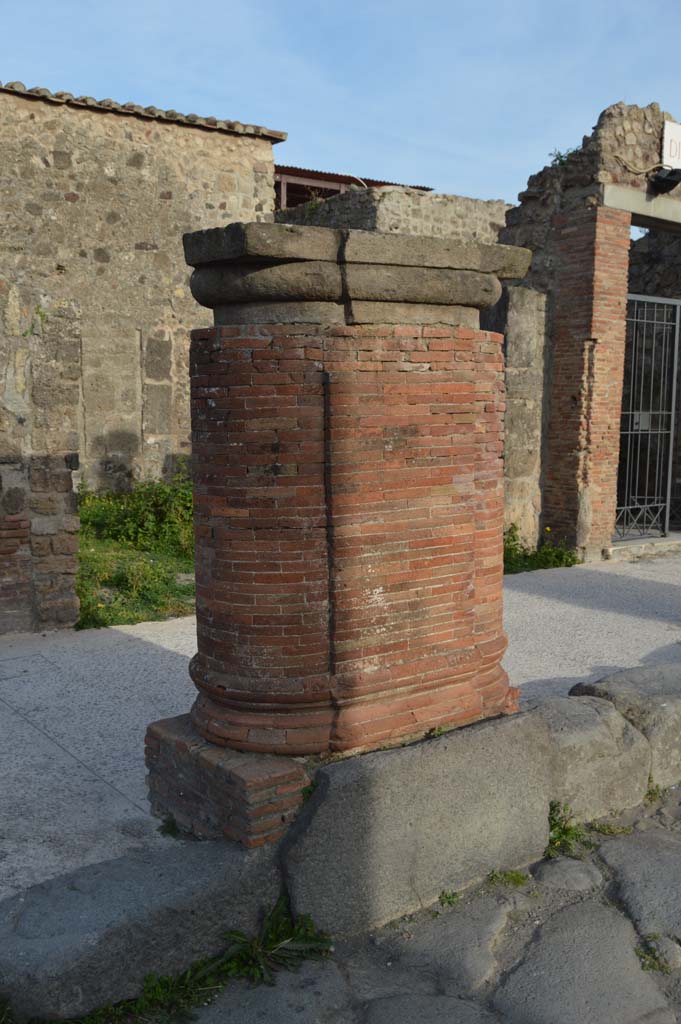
[587, 940]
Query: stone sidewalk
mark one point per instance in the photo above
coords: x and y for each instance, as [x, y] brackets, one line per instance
[593, 940]
[74, 706]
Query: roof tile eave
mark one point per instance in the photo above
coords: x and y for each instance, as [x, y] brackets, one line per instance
[108, 106]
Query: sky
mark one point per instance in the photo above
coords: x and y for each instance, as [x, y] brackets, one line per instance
[466, 97]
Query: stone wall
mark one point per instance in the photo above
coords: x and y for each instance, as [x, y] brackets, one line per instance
[404, 211]
[95, 311]
[94, 204]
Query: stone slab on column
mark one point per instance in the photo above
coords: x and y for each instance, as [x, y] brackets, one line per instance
[348, 496]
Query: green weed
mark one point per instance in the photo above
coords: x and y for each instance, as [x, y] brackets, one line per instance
[309, 790]
[650, 958]
[549, 555]
[609, 828]
[654, 792]
[448, 898]
[152, 516]
[168, 827]
[565, 834]
[514, 878]
[560, 157]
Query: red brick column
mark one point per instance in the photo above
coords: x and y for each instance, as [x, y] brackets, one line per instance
[349, 504]
[588, 338]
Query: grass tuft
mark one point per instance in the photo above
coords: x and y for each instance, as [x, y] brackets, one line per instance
[513, 878]
[565, 834]
[650, 957]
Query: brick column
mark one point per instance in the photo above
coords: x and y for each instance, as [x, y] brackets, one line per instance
[349, 505]
[588, 338]
[348, 491]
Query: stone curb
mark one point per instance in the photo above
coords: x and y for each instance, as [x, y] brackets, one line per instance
[80, 941]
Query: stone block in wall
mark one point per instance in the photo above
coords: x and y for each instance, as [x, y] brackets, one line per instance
[158, 409]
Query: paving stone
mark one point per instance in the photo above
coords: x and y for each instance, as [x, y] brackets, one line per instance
[385, 833]
[88, 938]
[316, 994]
[582, 969]
[647, 867]
[650, 698]
[426, 1010]
[458, 947]
[601, 763]
[569, 875]
[374, 972]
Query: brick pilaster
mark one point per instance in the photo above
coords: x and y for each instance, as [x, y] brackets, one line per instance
[587, 353]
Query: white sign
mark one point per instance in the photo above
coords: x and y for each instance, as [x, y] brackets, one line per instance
[671, 144]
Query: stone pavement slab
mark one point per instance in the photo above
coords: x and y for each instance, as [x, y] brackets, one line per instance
[426, 1010]
[582, 968]
[647, 866]
[457, 948]
[316, 994]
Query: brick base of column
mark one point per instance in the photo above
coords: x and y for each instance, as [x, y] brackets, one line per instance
[214, 792]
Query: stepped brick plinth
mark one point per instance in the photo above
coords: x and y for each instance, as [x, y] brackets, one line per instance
[348, 488]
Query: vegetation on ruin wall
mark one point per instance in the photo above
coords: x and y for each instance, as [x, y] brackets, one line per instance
[135, 549]
[549, 555]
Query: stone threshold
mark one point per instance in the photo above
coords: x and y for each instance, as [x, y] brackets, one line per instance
[645, 547]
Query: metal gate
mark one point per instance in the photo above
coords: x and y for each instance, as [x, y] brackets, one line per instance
[646, 481]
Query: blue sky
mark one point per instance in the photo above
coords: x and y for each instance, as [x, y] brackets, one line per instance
[468, 97]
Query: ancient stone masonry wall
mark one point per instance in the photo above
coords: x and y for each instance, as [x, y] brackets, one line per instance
[93, 206]
[95, 312]
[405, 211]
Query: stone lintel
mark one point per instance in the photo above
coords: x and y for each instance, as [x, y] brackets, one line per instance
[216, 792]
[277, 243]
[647, 210]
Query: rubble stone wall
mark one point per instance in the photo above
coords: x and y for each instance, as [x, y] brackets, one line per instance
[404, 211]
[94, 204]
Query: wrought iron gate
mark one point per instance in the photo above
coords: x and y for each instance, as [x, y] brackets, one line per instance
[646, 482]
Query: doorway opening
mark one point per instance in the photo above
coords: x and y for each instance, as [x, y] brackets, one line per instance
[649, 472]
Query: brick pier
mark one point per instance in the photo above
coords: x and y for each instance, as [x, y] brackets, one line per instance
[348, 504]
